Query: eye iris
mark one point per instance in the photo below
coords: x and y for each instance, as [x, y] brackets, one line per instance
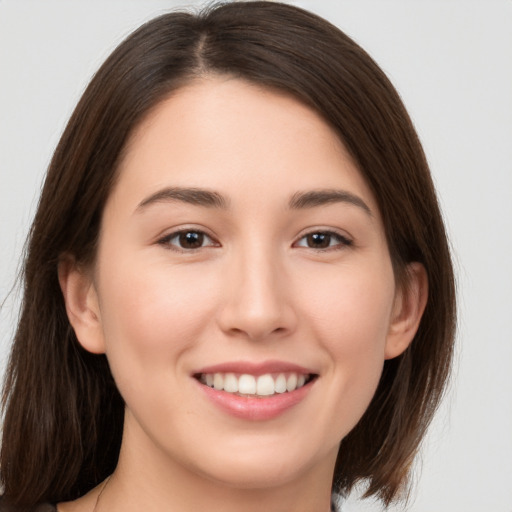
[191, 239]
[319, 240]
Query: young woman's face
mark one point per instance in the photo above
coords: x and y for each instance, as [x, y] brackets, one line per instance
[241, 249]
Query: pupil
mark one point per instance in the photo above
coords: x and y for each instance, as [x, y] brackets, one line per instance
[191, 239]
[319, 240]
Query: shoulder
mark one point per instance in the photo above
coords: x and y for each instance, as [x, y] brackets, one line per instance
[43, 507]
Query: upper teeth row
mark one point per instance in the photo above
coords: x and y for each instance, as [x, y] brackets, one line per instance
[245, 384]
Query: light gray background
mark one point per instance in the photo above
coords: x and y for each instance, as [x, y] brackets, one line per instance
[452, 63]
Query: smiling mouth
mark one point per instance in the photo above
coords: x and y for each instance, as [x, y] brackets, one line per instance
[253, 386]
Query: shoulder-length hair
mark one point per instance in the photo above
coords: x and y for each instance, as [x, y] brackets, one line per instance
[63, 415]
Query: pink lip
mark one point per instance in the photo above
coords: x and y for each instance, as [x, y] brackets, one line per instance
[255, 409]
[249, 408]
[255, 369]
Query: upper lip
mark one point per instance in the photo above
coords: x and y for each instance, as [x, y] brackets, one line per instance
[254, 368]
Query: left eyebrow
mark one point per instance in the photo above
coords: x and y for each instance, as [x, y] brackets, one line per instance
[315, 198]
[195, 196]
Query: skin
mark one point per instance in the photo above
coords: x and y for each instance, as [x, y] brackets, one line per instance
[255, 290]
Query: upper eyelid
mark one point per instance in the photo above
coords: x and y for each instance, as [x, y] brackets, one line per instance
[329, 231]
[172, 234]
[344, 240]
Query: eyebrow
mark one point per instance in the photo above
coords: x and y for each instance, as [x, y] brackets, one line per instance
[211, 199]
[315, 198]
[190, 195]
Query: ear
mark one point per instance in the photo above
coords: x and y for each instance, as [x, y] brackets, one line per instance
[410, 301]
[82, 304]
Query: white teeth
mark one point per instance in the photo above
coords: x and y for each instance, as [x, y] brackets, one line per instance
[247, 385]
[280, 385]
[230, 383]
[218, 381]
[291, 382]
[263, 385]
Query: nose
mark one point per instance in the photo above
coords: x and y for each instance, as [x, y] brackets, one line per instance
[257, 303]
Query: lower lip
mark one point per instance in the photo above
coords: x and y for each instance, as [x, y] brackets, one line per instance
[256, 409]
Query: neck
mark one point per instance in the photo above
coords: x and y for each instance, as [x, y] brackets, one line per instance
[118, 497]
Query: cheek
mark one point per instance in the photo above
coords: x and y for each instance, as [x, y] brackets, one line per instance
[352, 304]
[151, 315]
[350, 314]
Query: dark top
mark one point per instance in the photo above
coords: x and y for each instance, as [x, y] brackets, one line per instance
[43, 507]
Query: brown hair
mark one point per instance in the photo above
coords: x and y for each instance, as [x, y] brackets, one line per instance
[63, 415]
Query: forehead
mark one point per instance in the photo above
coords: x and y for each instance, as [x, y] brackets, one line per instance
[229, 133]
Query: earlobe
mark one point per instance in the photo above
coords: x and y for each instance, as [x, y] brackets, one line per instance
[410, 302]
[82, 305]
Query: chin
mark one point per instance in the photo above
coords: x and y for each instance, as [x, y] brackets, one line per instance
[249, 477]
[257, 469]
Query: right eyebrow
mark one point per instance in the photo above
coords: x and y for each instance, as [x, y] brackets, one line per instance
[190, 195]
[322, 197]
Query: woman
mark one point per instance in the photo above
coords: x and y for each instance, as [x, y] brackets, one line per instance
[238, 289]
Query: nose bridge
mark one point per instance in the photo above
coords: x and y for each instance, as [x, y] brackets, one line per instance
[257, 302]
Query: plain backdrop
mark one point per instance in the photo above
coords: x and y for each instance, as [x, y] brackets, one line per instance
[452, 63]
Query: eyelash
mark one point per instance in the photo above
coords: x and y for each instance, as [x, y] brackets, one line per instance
[342, 241]
[166, 241]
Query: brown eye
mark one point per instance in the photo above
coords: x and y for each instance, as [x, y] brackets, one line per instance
[323, 240]
[190, 239]
[318, 240]
[187, 240]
